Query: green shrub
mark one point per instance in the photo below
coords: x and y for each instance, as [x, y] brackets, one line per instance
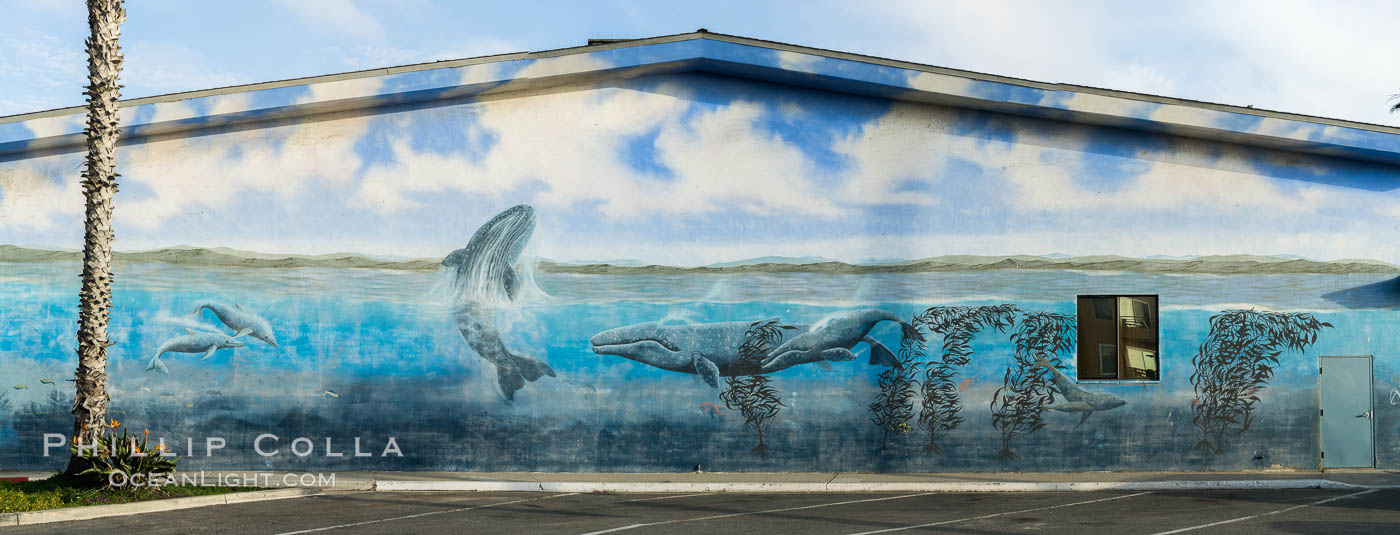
[111, 454]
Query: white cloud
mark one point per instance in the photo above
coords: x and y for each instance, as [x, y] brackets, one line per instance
[161, 67]
[335, 16]
[559, 65]
[56, 126]
[173, 111]
[342, 89]
[1305, 57]
[231, 103]
[37, 191]
[572, 141]
[941, 83]
[40, 71]
[796, 61]
[1042, 173]
[197, 174]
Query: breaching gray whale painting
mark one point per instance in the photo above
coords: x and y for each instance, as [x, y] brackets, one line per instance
[712, 350]
[481, 278]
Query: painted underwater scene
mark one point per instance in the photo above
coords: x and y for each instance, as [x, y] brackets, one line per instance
[369, 354]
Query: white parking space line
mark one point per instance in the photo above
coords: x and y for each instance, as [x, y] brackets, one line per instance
[1243, 518]
[420, 515]
[732, 515]
[971, 518]
[663, 497]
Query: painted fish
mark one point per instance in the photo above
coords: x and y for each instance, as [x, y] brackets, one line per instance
[47, 381]
[962, 387]
[21, 387]
[710, 409]
[331, 393]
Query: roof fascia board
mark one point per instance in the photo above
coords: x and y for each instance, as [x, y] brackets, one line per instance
[730, 55]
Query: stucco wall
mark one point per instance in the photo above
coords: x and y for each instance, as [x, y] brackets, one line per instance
[486, 363]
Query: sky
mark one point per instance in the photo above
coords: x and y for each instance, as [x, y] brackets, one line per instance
[1331, 59]
[694, 169]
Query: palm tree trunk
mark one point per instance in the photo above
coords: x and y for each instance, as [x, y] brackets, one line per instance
[99, 187]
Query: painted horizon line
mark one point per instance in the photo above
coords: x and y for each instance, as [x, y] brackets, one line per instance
[1214, 264]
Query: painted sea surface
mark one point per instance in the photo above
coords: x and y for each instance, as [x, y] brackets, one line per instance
[371, 354]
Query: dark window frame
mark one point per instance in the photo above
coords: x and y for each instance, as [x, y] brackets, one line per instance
[1152, 319]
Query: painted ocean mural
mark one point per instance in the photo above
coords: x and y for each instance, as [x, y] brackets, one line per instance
[369, 353]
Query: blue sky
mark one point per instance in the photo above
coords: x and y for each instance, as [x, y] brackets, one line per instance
[1334, 59]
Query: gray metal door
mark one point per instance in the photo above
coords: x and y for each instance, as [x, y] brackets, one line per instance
[1345, 422]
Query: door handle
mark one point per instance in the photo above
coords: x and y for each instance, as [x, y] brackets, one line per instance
[1366, 415]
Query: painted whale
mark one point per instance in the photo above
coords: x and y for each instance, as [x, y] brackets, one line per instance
[241, 320]
[193, 342]
[482, 277]
[1077, 399]
[833, 338]
[709, 350]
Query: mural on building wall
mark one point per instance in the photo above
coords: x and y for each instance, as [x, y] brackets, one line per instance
[1236, 363]
[482, 276]
[1040, 340]
[942, 403]
[752, 394]
[670, 270]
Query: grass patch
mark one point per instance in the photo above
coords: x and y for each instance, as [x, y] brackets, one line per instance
[58, 494]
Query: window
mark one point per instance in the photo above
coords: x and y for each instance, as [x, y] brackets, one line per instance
[1118, 337]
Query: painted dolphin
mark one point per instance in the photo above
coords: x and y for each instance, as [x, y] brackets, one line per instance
[193, 342]
[1077, 399]
[241, 320]
[709, 350]
[833, 339]
[482, 277]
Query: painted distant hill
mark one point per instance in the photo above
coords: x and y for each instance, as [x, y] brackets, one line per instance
[799, 260]
[1219, 264]
[1233, 264]
[222, 256]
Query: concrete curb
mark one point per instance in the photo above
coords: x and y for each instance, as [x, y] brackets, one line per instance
[153, 506]
[719, 487]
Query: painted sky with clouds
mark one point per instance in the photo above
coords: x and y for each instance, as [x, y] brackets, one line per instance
[694, 169]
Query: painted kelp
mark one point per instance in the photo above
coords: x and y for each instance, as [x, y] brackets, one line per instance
[753, 395]
[1236, 361]
[1018, 406]
[894, 401]
[958, 325]
[930, 382]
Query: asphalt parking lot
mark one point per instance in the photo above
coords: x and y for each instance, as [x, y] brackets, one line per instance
[1247, 512]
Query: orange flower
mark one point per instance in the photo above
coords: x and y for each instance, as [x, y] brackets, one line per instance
[115, 423]
[148, 432]
[160, 447]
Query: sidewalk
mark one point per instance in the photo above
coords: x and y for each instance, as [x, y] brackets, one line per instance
[813, 482]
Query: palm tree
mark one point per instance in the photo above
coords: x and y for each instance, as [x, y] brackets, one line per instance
[99, 187]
